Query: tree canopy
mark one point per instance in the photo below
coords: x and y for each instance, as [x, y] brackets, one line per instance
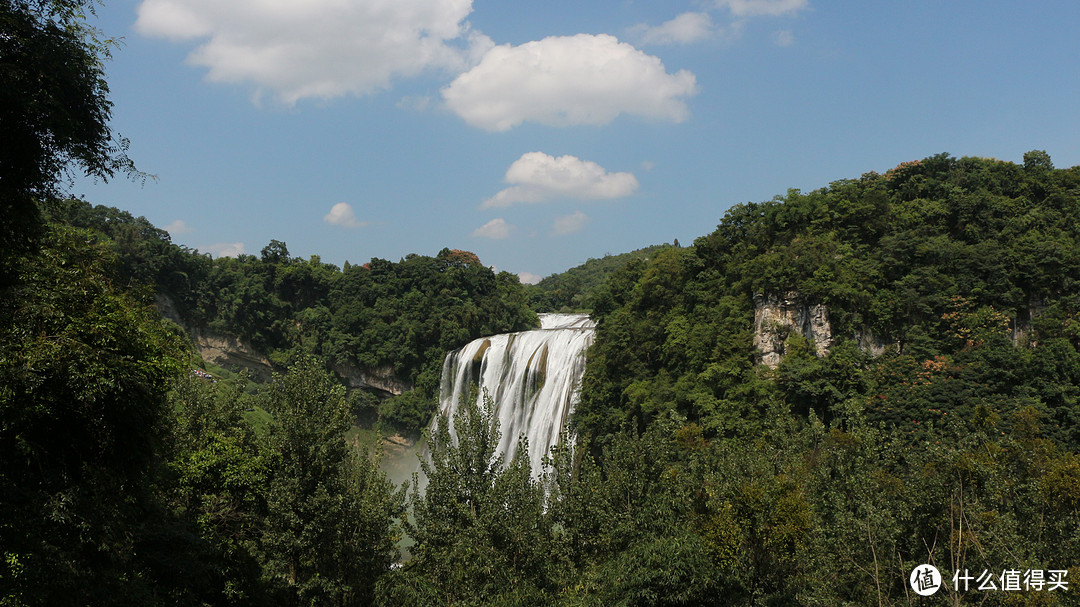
[577, 288]
[54, 109]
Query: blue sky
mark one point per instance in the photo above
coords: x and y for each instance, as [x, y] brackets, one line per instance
[540, 134]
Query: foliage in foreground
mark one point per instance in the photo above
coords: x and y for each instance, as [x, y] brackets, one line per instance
[84, 372]
[123, 482]
[801, 514]
[296, 514]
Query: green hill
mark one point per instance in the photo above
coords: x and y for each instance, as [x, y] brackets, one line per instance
[970, 261]
[575, 289]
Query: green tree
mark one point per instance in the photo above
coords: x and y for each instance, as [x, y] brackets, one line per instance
[54, 110]
[217, 493]
[84, 373]
[329, 531]
[480, 531]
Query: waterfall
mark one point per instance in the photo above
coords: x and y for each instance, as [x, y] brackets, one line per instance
[532, 378]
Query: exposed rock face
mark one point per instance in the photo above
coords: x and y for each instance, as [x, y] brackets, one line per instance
[380, 378]
[775, 318]
[232, 353]
[868, 342]
[168, 309]
[222, 350]
[1021, 325]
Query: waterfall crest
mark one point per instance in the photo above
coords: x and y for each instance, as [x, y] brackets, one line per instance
[532, 377]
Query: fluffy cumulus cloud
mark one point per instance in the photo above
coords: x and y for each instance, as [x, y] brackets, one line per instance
[227, 249]
[684, 29]
[755, 8]
[496, 229]
[536, 177]
[341, 214]
[528, 278]
[317, 48]
[570, 224]
[569, 80]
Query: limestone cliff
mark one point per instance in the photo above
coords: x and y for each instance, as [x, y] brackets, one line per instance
[776, 317]
[379, 378]
[225, 351]
[868, 342]
[1021, 325]
[231, 353]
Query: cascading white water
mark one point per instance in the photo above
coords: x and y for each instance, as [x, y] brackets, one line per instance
[532, 378]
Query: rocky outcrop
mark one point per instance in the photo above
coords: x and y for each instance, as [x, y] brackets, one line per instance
[776, 318]
[868, 342]
[232, 354]
[1021, 326]
[167, 309]
[219, 349]
[379, 378]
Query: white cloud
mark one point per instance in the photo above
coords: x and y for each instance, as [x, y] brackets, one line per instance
[754, 8]
[536, 177]
[783, 38]
[317, 48]
[684, 29]
[227, 249]
[178, 227]
[496, 229]
[690, 27]
[341, 214]
[570, 224]
[563, 81]
[528, 278]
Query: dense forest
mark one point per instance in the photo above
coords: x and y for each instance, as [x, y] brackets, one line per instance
[401, 317]
[575, 290]
[930, 415]
[943, 264]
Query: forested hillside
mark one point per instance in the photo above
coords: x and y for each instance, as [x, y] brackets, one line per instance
[575, 289]
[399, 317]
[962, 272]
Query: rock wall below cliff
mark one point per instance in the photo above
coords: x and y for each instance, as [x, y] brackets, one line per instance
[382, 379]
[232, 353]
[777, 317]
